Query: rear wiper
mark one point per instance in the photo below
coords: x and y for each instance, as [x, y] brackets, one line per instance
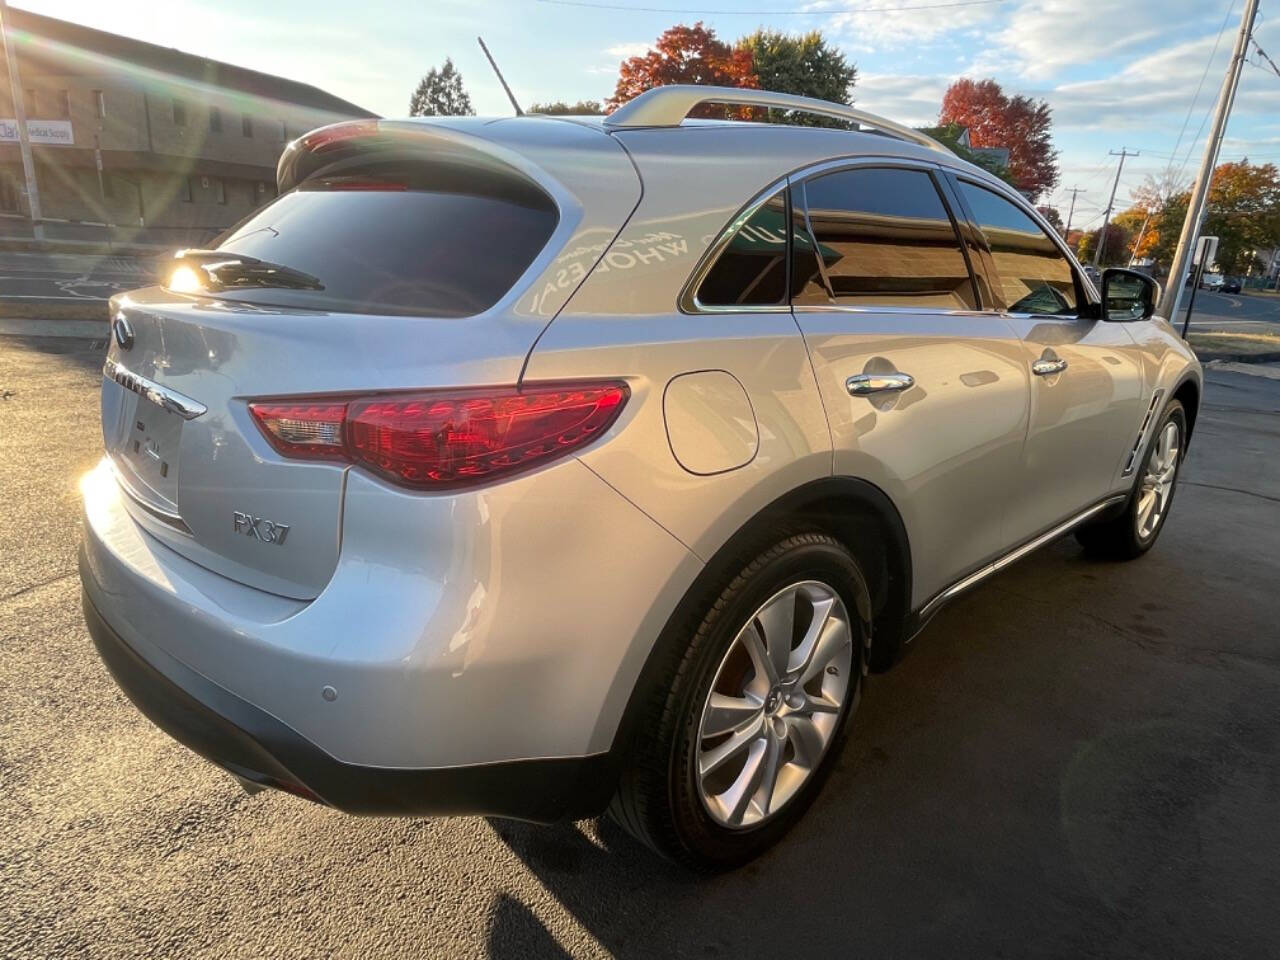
[216, 270]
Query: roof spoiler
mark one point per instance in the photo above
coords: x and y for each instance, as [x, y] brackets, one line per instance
[333, 147]
[668, 106]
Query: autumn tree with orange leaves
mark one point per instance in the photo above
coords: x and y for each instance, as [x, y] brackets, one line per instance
[1020, 123]
[685, 54]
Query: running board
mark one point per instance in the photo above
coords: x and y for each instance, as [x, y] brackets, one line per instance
[972, 580]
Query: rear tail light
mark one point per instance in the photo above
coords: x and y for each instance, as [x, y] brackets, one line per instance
[441, 440]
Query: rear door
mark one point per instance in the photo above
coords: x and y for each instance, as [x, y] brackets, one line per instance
[1086, 381]
[925, 392]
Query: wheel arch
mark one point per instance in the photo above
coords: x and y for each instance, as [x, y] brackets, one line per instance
[858, 514]
[1187, 392]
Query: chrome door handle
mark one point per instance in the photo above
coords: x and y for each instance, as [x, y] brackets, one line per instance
[1046, 368]
[867, 383]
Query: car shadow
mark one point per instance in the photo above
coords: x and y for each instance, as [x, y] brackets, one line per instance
[983, 806]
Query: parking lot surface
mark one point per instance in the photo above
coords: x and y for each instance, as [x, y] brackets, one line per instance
[1078, 759]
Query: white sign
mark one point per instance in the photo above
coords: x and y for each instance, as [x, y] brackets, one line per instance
[39, 131]
[1206, 250]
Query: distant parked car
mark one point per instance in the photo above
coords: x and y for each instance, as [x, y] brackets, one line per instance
[1231, 285]
[1212, 281]
[1093, 273]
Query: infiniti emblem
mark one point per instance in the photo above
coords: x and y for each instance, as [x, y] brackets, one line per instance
[122, 331]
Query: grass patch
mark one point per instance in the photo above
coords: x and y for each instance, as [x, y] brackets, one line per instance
[1244, 344]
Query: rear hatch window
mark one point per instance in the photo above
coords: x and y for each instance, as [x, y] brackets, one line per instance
[389, 239]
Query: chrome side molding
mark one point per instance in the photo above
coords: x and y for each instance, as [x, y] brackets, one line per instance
[157, 393]
[973, 579]
[1141, 440]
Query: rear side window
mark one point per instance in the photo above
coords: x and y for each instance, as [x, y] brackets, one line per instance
[885, 240]
[394, 241]
[1033, 273]
[752, 269]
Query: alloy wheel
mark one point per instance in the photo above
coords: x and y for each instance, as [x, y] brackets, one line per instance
[1158, 480]
[775, 704]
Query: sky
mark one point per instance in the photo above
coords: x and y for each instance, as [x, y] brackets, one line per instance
[1135, 74]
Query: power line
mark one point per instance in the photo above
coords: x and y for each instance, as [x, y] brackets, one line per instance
[1262, 53]
[825, 11]
[1196, 98]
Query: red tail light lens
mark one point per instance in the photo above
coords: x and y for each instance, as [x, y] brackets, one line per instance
[445, 440]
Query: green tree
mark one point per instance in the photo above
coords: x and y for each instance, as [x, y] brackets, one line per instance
[1116, 251]
[441, 94]
[1244, 212]
[804, 64]
[1053, 216]
[560, 108]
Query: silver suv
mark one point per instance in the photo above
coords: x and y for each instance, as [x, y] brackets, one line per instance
[535, 467]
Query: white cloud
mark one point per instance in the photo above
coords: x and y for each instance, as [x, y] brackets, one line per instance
[625, 50]
[906, 98]
[875, 32]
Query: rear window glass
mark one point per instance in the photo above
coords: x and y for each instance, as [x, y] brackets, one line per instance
[395, 243]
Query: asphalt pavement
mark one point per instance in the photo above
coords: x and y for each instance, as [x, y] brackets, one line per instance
[1233, 312]
[1079, 759]
[69, 276]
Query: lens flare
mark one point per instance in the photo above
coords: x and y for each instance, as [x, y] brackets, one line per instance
[185, 280]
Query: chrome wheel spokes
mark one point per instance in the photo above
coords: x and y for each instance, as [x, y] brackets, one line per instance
[1158, 480]
[774, 704]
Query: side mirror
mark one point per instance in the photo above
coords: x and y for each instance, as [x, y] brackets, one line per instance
[1128, 295]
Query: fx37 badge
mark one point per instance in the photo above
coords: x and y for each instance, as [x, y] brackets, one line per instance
[267, 531]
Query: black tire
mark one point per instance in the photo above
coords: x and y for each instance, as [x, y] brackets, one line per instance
[1118, 538]
[657, 800]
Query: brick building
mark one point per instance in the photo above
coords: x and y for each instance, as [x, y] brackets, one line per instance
[165, 146]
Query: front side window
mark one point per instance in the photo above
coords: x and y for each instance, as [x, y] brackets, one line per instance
[885, 240]
[1034, 275]
[752, 269]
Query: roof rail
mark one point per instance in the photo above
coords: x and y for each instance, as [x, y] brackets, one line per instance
[668, 106]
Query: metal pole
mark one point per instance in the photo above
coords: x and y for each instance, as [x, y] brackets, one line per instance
[501, 79]
[1133, 254]
[1168, 306]
[20, 118]
[1106, 219]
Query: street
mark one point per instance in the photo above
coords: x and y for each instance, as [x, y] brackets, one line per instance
[1077, 759]
[42, 277]
[1233, 312]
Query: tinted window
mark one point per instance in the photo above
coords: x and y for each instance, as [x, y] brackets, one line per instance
[886, 240]
[752, 269]
[397, 242]
[1033, 273]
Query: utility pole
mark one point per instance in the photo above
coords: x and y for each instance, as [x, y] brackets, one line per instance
[1072, 212]
[1133, 254]
[1106, 218]
[1172, 297]
[20, 118]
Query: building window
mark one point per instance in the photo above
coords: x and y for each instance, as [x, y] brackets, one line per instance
[215, 120]
[246, 125]
[220, 190]
[64, 104]
[99, 104]
[179, 113]
[29, 102]
[186, 190]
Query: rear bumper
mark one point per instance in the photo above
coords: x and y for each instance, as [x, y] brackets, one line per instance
[255, 746]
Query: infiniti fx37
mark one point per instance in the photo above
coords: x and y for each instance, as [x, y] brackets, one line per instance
[538, 467]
